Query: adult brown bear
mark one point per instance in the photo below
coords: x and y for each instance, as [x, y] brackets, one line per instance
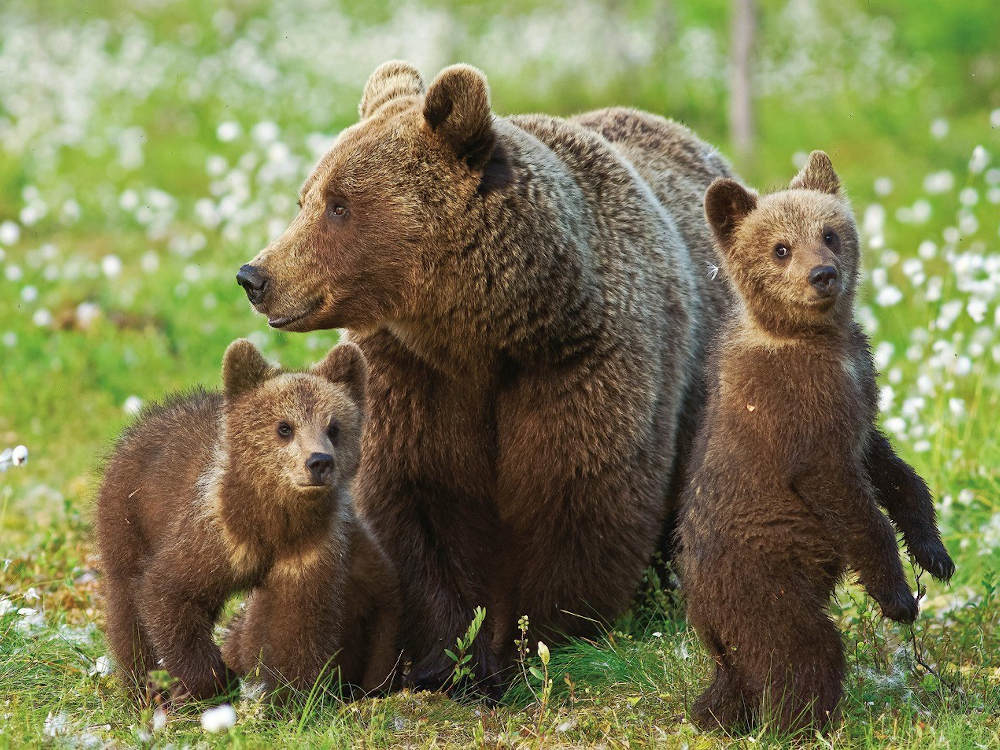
[533, 295]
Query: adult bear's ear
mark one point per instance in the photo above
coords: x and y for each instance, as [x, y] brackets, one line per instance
[817, 174]
[727, 203]
[346, 365]
[244, 368]
[390, 80]
[457, 108]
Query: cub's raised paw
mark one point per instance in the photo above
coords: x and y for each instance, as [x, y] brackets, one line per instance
[932, 556]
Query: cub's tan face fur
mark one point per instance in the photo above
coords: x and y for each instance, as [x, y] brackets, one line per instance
[377, 209]
[278, 423]
[779, 248]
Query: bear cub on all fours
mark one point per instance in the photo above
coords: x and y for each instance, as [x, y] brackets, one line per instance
[788, 467]
[212, 493]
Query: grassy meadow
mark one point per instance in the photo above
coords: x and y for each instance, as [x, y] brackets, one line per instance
[147, 149]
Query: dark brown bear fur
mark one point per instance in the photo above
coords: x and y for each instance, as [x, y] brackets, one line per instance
[780, 503]
[208, 494]
[532, 294]
[317, 617]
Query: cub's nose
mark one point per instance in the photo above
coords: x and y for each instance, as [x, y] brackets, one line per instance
[824, 280]
[254, 282]
[320, 465]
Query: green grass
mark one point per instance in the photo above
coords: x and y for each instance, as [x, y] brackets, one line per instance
[79, 336]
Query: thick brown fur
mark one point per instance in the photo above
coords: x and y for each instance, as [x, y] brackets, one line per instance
[780, 502]
[208, 494]
[532, 294]
[318, 618]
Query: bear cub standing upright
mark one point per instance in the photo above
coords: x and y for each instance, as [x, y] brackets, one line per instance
[211, 493]
[780, 501]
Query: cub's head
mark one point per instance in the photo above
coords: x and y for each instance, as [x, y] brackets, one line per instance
[382, 206]
[793, 255]
[293, 433]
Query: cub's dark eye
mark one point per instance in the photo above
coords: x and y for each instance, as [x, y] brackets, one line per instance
[333, 431]
[831, 239]
[284, 430]
[780, 251]
[337, 210]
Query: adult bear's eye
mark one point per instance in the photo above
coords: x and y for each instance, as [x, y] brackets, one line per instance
[336, 210]
[284, 430]
[781, 250]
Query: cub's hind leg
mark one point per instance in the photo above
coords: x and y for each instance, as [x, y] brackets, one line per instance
[127, 638]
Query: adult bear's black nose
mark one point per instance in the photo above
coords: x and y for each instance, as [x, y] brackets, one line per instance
[320, 465]
[824, 280]
[254, 282]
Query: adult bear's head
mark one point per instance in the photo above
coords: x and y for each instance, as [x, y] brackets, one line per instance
[383, 205]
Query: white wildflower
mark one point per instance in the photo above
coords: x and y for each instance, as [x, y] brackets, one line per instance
[966, 496]
[6, 606]
[927, 249]
[976, 309]
[31, 595]
[980, 158]
[995, 118]
[921, 211]
[963, 366]
[29, 294]
[883, 186]
[216, 165]
[264, 132]
[13, 272]
[886, 396]
[896, 425]
[956, 406]
[939, 128]
[888, 296]
[218, 719]
[968, 196]
[86, 314]
[111, 265]
[10, 232]
[128, 200]
[101, 667]
[922, 446]
[31, 620]
[132, 405]
[19, 456]
[228, 131]
[150, 261]
[56, 724]
[42, 318]
[159, 719]
[939, 182]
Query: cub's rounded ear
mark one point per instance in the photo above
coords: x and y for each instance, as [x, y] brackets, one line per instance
[244, 368]
[727, 203]
[817, 174]
[457, 108]
[346, 364]
[389, 81]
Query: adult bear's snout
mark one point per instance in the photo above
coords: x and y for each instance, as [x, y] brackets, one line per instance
[254, 282]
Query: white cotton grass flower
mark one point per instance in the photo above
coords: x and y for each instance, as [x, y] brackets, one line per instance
[939, 182]
[56, 724]
[228, 131]
[979, 160]
[132, 405]
[101, 667]
[159, 721]
[939, 127]
[19, 455]
[883, 186]
[6, 606]
[976, 308]
[111, 266]
[31, 620]
[42, 318]
[265, 132]
[995, 118]
[888, 296]
[218, 719]
[13, 272]
[29, 294]
[87, 314]
[10, 233]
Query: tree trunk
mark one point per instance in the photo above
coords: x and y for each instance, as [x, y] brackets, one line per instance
[741, 121]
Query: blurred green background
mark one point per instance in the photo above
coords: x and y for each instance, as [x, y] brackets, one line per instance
[149, 148]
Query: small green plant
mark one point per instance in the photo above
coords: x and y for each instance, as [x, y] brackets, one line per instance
[461, 656]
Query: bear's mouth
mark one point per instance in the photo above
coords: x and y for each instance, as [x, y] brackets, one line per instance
[287, 320]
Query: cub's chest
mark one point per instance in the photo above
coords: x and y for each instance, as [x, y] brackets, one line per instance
[790, 393]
